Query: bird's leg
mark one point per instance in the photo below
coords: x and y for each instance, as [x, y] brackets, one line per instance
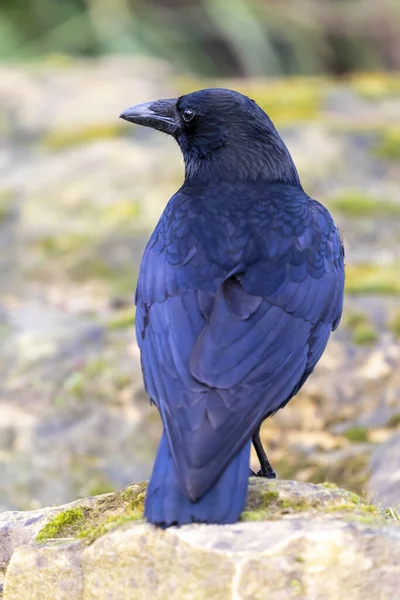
[266, 468]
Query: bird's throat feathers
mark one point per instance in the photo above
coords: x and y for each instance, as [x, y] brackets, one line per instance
[251, 153]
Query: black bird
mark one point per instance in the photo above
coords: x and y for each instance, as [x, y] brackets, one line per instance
[240, 286]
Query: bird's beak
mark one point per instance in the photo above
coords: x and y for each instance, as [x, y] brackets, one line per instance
[161, 115]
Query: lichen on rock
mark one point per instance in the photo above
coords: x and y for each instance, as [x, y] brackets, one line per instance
[274, 500]
[90, 522]
[294, 541]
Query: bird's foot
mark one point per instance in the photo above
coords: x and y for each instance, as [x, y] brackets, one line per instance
[267, 473]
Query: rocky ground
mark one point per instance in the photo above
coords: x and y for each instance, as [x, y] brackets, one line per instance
[295, 541]
[79, 193]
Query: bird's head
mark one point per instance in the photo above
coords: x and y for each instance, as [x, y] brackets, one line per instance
[223, 135]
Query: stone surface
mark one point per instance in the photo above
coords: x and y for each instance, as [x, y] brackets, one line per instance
[299, 541]
[384, 483]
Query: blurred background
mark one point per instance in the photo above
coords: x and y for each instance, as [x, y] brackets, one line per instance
[78, 199]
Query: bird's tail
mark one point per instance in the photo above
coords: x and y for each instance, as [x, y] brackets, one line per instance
[167, 504]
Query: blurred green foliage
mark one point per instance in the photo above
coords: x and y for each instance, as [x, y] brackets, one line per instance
[389, 146]
[357, 204]
[369, 278]
[212, 37]
[363, 331]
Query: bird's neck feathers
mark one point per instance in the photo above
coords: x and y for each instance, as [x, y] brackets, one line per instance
[245, 157]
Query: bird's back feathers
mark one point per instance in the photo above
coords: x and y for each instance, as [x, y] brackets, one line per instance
[238, 291]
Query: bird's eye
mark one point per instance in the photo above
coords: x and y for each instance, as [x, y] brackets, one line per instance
[188, 115]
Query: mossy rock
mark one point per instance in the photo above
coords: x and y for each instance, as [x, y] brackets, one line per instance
[267, 500]
[271, 500]
[92, 521]
[309, 540]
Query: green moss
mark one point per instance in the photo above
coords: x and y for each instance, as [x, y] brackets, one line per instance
[119, 213]
[392, 513]
[101, 486]
[394, 421]
[354, 319]
[122, 319]
[121, 280]
[367, 278]
[298, 587]
[64, 524]
[364, 335]
[357, 434]
[58, 140]
[345, 506]
[364, 519]
[92, 532]
[369, 508]
[93, 267]
[363, 332]
[328, 485]
[394, 324]
[97, 378]
[389, 144]
[6, 204]
[295, 504]
[356, 204]
[96, 366]
[355, 498]
[290, 100]
[121, 380]
[253, 515]
[351, 472]
[358, 511]
[75, 383]
[41, 63]
[376, 86]
[268, 497]
[107, 511]
[62, 244]
[265, 504]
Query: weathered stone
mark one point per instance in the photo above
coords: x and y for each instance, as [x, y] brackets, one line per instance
[38, 98]
[384, 482]
[292, 558]
[21, 528]
[304, 541]
[48, 572]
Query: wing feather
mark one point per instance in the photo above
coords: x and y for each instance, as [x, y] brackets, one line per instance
[230, 327]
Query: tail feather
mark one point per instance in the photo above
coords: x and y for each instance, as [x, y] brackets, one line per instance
[167, 504]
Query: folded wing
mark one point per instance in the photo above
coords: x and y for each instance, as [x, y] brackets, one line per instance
[217, 359]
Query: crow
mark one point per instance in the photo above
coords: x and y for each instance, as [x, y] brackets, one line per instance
[240, 286]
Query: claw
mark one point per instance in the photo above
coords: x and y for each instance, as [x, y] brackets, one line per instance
[267, 473]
